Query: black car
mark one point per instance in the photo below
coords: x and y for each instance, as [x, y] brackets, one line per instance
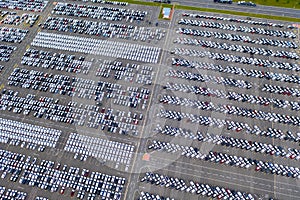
[223, 1]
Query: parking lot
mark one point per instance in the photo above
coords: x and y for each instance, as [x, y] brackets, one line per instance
[98, 101]
[222, 76]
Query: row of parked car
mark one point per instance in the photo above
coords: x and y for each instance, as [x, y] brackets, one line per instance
[98, 12]
[149, 196]
[12, 194]
[236, 96]
[231, 110]
[233, 142]
[103, 29]
[209, 79]
[230, 58]
[129, 72]
[216, 122]
[114, 121]
[117, 3]
[194, 187]
[60, 62]
[267, 132]
[228, 69]
[3, 13]
[226, 159]
[237, 48]
[252, 73]
[13, 35]
[279, 103]
[41, 198]
[102, 149]
[78, 87]
[192, 152]
[236, 20]
[24, 132]
[53, 83]
[109, 48]
[118, 121]
[13, 19]
[6, 51]
[25, 5]
[283, 90]
[55, 177]
[232, 27]
[236, 37]
[107, 68]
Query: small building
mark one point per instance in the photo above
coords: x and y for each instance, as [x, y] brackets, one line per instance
[166, 13]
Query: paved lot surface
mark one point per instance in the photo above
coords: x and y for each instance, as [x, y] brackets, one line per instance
[261, 185]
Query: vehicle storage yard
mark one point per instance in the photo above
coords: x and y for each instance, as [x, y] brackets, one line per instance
[101, 100]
